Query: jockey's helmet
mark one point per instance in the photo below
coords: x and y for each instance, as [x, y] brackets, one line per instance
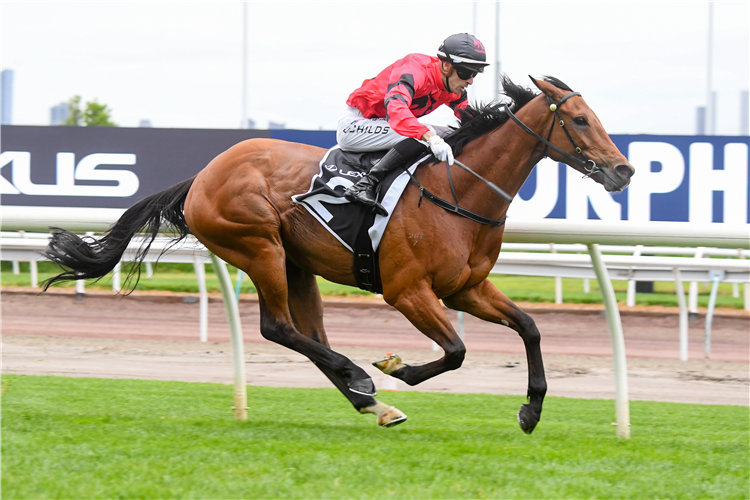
[463, 50]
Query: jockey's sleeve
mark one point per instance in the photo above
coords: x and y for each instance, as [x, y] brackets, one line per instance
[398, 98]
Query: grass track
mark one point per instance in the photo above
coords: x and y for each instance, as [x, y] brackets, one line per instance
[100, 438]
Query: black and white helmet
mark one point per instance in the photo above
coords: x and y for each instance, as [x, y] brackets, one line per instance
[464, 50]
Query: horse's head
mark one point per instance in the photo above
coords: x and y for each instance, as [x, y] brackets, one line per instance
[578, 132]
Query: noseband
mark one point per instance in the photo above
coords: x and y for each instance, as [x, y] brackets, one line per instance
[554, 106]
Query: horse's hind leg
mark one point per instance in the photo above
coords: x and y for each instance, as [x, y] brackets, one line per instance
[306, 308]
[488, 303]
[263, 258]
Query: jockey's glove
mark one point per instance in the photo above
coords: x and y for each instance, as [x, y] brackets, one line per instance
[441, 149]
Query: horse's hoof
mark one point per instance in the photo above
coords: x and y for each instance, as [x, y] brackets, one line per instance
[364, 386]
[389, 364]
[392, 416]
[526, 419]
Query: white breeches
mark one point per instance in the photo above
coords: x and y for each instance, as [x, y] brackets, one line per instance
[360, 134]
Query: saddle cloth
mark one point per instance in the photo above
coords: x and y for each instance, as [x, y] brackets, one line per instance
[356, 226]
[325, 199]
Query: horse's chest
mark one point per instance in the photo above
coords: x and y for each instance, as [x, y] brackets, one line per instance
[451, 263]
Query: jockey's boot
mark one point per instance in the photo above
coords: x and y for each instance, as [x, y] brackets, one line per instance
[365, 190]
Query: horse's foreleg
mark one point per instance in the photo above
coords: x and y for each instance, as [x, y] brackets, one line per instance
[423, 309]
[486, 302]
[306, 308]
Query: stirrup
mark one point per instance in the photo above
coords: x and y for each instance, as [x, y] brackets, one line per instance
[358, 194]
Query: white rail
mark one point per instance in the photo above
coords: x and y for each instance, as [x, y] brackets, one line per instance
[27, 247]
[635, 250]
[590, 233]
[679, 234]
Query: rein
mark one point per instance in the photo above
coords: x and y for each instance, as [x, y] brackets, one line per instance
[454, 208]
[553, 106]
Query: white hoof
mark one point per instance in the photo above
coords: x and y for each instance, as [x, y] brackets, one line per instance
[390, 417]
[389, 364]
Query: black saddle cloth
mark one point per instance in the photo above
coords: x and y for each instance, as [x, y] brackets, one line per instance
[348, 222]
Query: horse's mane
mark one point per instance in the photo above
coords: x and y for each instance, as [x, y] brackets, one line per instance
[477, 120]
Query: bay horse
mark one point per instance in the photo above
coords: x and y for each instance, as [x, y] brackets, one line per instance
[240, 207]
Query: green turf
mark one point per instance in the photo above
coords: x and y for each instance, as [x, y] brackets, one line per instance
[97, 438]
[180, 278]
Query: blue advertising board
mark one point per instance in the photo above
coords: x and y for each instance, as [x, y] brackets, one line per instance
[678, 178]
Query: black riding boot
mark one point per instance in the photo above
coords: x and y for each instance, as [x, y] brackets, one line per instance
[365, 190]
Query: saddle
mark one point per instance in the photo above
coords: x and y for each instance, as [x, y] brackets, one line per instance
[356, 226]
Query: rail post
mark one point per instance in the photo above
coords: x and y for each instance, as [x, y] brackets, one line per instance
[235, 330]
[622, 406]
[680, 291]
[200, 275]
[716, 277]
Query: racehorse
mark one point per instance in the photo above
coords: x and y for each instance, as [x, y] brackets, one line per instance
[240, 208]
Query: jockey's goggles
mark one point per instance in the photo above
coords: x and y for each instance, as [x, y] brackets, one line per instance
[466, 73]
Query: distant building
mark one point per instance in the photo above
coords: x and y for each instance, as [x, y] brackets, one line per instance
[276, 126]
[145, 124]
[6, 102]
[58, 114]
[250, 124]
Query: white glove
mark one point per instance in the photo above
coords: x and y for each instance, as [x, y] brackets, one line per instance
[441, 149]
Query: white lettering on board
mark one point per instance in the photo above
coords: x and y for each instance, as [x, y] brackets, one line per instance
[645, 182]
[544, 199]
[580, 191]
[68, 173]
[704, 180]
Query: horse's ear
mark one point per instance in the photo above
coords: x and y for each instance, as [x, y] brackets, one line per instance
[547, 88]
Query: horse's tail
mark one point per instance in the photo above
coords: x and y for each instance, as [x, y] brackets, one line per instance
[91, 258]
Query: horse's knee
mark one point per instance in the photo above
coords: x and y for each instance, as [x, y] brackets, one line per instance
[454, 357]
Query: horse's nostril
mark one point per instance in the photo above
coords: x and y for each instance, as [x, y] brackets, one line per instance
[625, 171]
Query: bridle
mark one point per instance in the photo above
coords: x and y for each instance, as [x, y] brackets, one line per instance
[554, 107]
[453, 207]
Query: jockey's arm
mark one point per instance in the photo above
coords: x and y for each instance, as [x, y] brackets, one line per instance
[426, 136]
[402, 120]
[403, 81]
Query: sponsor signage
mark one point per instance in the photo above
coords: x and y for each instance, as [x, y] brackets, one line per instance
[678, 178]
[113, 167]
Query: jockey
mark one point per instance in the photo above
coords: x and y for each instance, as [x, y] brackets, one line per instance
[383, 112]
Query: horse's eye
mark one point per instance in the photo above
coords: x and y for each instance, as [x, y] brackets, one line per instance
[579, 120]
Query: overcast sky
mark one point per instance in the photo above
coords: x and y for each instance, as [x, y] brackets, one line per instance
[642, 66]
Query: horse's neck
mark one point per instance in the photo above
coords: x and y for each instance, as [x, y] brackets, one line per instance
[508, 154]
